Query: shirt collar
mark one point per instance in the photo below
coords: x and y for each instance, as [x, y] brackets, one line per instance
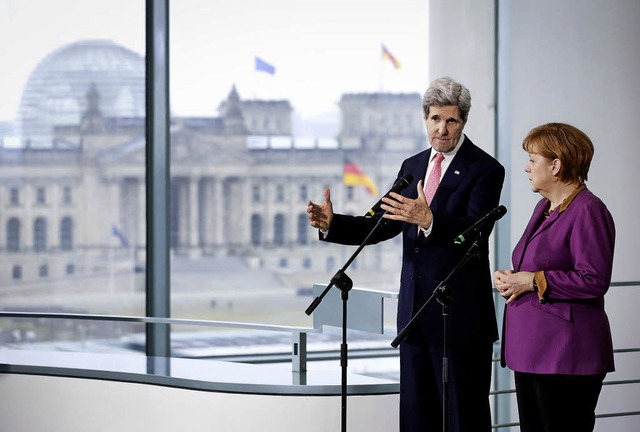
[450, 155]
[570, 198]
[565, 203]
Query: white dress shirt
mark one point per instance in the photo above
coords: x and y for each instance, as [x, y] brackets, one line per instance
[448, 157]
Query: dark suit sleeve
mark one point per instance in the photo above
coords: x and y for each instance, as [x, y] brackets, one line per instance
[353, 230]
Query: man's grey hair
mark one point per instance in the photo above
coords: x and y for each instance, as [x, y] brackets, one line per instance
[446, 91]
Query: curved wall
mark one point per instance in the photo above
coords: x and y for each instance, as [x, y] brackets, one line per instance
[76, 392]
[61, 404]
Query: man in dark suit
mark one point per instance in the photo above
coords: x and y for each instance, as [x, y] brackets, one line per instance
[469, 188]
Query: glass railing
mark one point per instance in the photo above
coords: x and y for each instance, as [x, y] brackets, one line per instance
[618, 399]
[303, 348]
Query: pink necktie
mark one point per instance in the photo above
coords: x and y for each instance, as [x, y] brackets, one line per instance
[434, 178]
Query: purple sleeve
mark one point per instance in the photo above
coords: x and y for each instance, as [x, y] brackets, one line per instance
[591, 245]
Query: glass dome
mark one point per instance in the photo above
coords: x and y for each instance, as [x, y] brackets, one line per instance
[56, 93]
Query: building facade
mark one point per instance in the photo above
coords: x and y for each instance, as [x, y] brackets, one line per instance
[240, 181]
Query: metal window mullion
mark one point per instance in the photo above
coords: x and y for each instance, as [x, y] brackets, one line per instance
[502, 128]
[157, 176]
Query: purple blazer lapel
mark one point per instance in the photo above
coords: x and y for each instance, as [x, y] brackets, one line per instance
[536, 225]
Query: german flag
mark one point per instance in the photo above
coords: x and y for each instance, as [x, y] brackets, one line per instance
[353, 176]
[386, 55]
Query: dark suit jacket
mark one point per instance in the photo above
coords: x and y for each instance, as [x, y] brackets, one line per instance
[468, 191]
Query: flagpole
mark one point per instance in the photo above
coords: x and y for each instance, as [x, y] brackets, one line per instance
[111, 267]
[262, 66]
[382, 60]
[255, 78]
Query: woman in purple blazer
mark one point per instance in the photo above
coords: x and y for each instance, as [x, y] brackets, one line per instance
[556, 335]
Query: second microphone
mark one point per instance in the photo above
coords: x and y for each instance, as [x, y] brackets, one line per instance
[402, 183]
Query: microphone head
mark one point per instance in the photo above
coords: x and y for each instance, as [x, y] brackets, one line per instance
[405, 181]
[500, 211]
[402, 183]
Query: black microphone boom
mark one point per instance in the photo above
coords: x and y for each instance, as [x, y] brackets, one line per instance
[477, 227]
[400, 184]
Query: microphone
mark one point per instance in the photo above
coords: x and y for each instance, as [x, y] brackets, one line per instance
[477, 227]
[400, 184]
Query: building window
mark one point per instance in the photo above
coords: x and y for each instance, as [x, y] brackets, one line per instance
[283, 263]
[278, 230]
[256, 193]
[66, 234]
[67, 197]
[13, 235]
[256, 230]
[395, 122]
[40, 235]
[303, 229]
[16, 272]
[350, 193]
[41, 196]
[331, 264]
[70, 269]
[306, 263]
[14, 196]
[409, 122]
[304, 193]
[280, 193]
[43, 271]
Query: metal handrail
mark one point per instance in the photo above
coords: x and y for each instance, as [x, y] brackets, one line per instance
[157, 320]
[606, 383]
[298, 334]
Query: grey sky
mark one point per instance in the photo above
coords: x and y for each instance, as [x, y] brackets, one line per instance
[320, 49]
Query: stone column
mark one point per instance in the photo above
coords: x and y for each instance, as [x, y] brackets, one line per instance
[217, 213]
[194, 217]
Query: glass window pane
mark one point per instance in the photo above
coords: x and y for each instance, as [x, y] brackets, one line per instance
[66, 234]
[40, 235]
[13, 235]
[303, 223]
[72, 156]
[271, 101]
[14, 199]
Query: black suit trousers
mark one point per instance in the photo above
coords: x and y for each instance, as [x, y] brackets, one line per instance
[421, 386]
[557, 403]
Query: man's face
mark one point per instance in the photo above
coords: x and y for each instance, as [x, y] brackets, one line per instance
[444, 127]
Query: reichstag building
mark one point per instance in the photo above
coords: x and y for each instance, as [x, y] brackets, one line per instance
[240, 179]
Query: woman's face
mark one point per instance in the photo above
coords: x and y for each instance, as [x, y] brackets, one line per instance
[541, 172]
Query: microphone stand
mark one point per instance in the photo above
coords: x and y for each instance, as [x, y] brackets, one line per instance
[344, 283]
[444, 296]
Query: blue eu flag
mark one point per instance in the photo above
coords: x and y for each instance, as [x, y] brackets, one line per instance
[263, 66]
